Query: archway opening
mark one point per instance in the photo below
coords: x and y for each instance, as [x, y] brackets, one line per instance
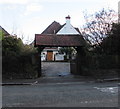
[76, 41]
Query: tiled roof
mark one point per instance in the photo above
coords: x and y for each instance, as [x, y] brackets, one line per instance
[52, 28]
[4, 31]
[58, 40]
[78, 30]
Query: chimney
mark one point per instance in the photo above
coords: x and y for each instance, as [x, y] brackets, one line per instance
[68, 20]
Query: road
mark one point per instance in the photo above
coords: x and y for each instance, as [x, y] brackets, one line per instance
[66, 94]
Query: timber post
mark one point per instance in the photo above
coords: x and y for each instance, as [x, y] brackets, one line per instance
[79, 60]
[39, 63]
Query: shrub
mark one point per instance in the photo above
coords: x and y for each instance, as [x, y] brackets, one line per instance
[17, 59]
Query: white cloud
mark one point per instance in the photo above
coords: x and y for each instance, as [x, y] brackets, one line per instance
[13, 1]
[33, 8]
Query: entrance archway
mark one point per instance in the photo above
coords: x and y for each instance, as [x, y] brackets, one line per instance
[48, 40]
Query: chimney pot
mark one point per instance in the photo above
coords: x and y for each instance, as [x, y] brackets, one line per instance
[68, 17]
[68, 20]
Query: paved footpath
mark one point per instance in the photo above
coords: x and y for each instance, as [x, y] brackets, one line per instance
[55, 72]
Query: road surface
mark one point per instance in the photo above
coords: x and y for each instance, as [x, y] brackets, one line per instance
[66, 94]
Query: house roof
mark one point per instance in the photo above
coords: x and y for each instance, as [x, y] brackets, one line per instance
[77, 29]
[4, 31]
[54, 40]
[53, 28]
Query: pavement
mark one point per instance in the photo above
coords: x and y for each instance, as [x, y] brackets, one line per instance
[46, 80]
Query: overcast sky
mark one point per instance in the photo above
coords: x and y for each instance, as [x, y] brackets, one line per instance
[30, 17]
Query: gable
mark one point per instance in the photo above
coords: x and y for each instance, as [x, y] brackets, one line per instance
[68, 29]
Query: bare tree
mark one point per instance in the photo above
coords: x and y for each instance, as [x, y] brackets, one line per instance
[98, 25]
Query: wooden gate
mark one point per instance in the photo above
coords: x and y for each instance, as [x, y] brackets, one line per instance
[49, 55]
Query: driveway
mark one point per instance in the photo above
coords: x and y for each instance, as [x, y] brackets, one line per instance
[55, 69]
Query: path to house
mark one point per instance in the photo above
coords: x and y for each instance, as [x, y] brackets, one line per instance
[55, 69]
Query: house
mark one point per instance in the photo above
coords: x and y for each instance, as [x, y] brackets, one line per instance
[51, 53]
[68, 29]
[48, 54]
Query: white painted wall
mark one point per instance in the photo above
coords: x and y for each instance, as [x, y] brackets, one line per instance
[68, 28]
[59, 57]
[56, 55]
[43, 55]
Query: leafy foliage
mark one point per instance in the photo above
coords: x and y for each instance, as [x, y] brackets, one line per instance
[1, 35]
[17, 59]
[11, 46]
[111, 44]
[68, 51]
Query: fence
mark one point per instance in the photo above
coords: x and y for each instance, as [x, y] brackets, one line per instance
[98, 62]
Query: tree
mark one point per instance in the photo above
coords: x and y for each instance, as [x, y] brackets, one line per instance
[1, 35]
[11, 46]
[17, 60]
[68, 51]
[98, 25]
[111, 44]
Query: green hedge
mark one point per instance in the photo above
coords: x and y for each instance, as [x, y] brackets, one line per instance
[18, 60]
[19, 67]
[103, 62]
[101, 65]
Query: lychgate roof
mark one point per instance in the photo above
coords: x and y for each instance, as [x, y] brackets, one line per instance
[54, 40]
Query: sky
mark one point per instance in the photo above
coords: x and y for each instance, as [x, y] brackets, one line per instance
[25, 18]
